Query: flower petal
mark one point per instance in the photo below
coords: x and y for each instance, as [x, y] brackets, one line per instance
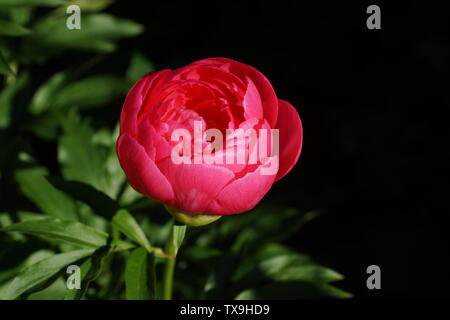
[134, 100]
[242, 194]
[265, 89]
[152, 141]
[194, 185]
[252, 101]
[291, 137]
[141, 171]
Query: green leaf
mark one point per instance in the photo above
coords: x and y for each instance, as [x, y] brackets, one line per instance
[27, 215]
[293, 291]
[30, 260]
[293, 267]
[30, 3]
[133, 200]
[51, 201]
[81, 159]
[251, 260]
[197, 253]
[86, 158]
[8, 28]
[126, 224]
[115, 175]
[44, 97]
[55, 291]
[140, 275]
[72, 232]
[98, 33]
[120, 245]
[90, 92]
[276, 263]
[40, 273]
[87, 5]
[7, 96]
[89, 270]
[21, 15]
[101, 203]
[176, 239]
[5, 69]
[45, 126]
[6, 220]
[139, 67]
[257, 227]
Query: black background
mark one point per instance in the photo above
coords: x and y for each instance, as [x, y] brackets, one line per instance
[373, 108]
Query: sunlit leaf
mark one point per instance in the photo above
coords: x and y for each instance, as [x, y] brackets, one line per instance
[176, 238]
[55, 291]
[121, 245]
[90, 92]
[126, 224]
[44, 97]
[133, 200]
[6, 220]
[114, 172]
[265, 252]
[98, 33]
[38, 274]
[72, 232]
[89, 271]
[80, 158]
[293, 267]
[27, 215]
[140, 275]
[30, 260]
[51, 201]
[276, 263]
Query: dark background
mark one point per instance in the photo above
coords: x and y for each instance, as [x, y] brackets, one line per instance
[373, 108]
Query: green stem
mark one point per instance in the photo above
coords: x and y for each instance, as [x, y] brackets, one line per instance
[168, 278]
[174, 241]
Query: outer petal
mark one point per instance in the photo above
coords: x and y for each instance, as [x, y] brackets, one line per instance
[152, 141]
[141, 171]
[252, 101]
[268, 96]
[242, 194]
[291, 137]
[194, 185]
[134, 100]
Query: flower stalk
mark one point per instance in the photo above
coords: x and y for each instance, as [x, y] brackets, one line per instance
[173, 243]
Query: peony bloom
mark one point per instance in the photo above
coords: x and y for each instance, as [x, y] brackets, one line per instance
[218, 94]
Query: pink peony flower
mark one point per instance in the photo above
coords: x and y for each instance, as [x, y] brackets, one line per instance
[216, 93]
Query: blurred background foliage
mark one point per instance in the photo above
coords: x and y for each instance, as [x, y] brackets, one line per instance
[373, 105]
[64, 199]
